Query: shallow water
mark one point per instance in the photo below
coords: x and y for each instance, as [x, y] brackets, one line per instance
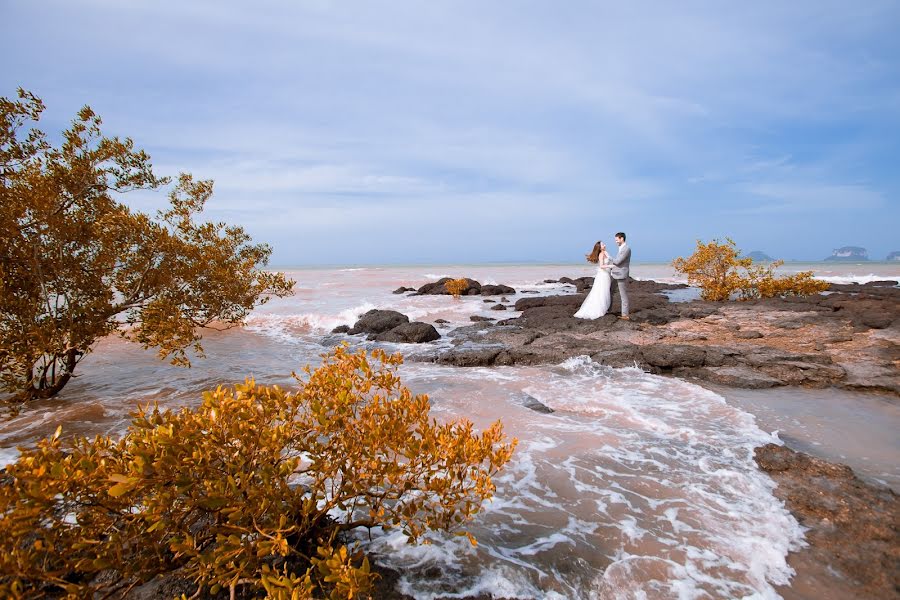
[636, 486]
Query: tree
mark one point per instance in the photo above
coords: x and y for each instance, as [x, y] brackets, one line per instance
[255, 487]
[77, 264]
[720, 271]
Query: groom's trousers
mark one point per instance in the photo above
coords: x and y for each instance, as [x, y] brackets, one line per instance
[623, 293]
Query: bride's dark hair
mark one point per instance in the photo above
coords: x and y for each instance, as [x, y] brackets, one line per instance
[594, 256]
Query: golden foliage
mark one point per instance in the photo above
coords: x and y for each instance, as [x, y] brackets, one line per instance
[78, 264]
[254, 487]
[720, 272]
[457, 286]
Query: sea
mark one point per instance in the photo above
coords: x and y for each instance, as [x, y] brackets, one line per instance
[636, 486]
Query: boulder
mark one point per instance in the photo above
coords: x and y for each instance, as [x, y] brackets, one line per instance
[496, 290]
[478, 318]
[402, 290]
[341, 329]
[410, 333]
[439, 288]
[748, 334]
[498, 307]
[378, 321]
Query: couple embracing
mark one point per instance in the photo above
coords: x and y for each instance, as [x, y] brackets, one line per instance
[598, 300]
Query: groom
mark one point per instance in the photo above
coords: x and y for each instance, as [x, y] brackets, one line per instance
[619, 271]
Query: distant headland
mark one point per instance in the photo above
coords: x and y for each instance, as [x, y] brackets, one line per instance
[849, 254]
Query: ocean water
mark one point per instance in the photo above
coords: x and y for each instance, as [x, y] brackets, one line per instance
[637, 486]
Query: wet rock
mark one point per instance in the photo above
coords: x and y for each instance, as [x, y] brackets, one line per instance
[619, 355]
[403, 290]
[496, 290]
[378, 321]
[439, 288]
[341, 329]
[441, 321]
[498, 307]
[479, 318]
[478, 357]
[489, 301]
[410, 333]
[851, 526]
[532, 403]
[671, 356]
[737, 376]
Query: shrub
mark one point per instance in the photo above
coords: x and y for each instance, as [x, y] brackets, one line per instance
[254, 487]
[456, 286]
[720, 272]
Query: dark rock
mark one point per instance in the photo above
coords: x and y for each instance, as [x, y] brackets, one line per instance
[748, 334]
[479, 318]
[738, 376]
[489, 301]
[550, 281]
[410, 333]
[875, 319]
[481, 357]
[619, 355]
[439, 288]
[441, 321]
[567, 280]
[504, 299]
[851, 526]
[498, 307]
[496, 290]
[532, 403]
[341, 329]
[402, 290]
[672, 356]
[378, 321]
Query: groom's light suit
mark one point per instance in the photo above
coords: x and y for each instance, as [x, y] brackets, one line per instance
[619, 272]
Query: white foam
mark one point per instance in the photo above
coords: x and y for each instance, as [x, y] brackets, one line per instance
[647, 482]
[8, 456]
[288, 326]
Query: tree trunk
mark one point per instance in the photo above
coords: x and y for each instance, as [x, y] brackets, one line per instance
[41, 387]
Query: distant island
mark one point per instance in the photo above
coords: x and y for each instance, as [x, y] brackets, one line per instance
[849, 254]
[759, 256]
[895, 255]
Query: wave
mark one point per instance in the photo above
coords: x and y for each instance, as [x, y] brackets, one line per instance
[851, 278]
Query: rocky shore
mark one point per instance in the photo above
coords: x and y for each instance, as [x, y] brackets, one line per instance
[848, 337]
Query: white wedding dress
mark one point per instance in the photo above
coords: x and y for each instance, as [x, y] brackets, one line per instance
[598, 300]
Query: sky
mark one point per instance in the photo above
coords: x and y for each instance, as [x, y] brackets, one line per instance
[369, 132]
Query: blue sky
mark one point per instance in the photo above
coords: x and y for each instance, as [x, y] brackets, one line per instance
[472, 131]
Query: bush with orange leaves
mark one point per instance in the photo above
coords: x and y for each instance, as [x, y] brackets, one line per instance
[255, 487]
[456, 286]
[720, 272]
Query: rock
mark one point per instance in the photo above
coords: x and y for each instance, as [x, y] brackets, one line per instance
[850, 526]
[482, 357]
[740, 376]
[489, 301]
[402, 290]
[504, 299]
[439, 288]
[875, 319]
[673, 356]
[498, 307]
[551, 281]
[748, 334]
[378, 321]
[496, 290]
[441, 321]
[619, 355]
[479, 318]
[341, 329]
[410, 333]
[532, 403]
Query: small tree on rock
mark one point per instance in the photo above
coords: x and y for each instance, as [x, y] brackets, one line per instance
[718, 269]
[77, 264]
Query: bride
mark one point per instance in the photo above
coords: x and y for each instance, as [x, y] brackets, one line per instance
[597, 302]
